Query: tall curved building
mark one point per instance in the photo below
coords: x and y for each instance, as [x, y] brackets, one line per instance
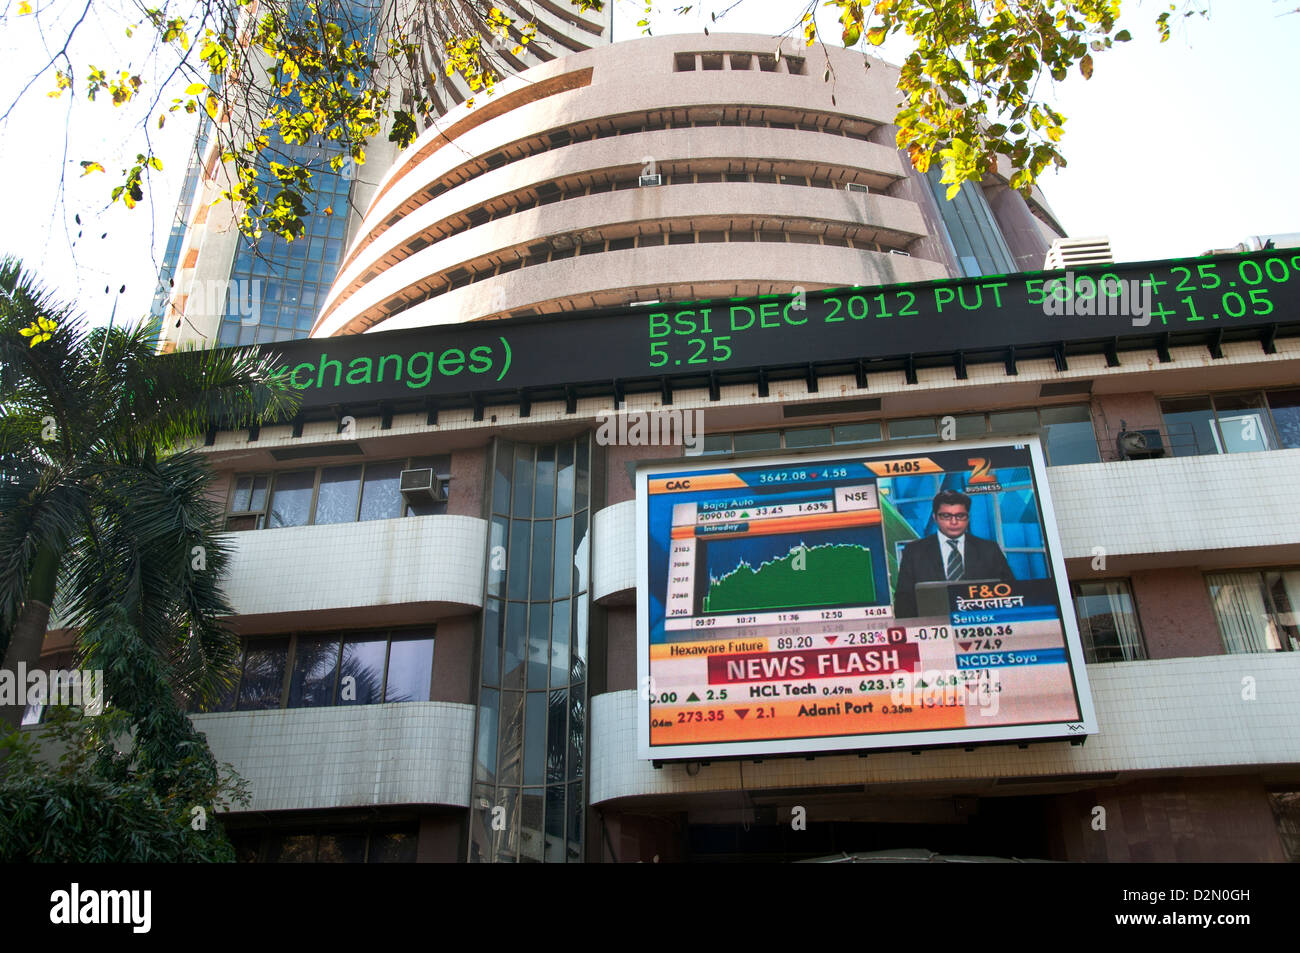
[455, 568]
[631, 172]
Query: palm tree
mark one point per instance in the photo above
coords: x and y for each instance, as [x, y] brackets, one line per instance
[99, 497]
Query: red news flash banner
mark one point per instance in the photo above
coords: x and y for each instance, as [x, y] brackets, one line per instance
[823, 663]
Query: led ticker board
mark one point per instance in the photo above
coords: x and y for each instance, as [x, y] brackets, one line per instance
[802, 604]
[1133, 305]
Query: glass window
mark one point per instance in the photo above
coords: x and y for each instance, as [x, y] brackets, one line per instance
[757, 441]
[857, 433]
[291, 501]
[1068, 435]
[1256, 611]
[1108, 622]
[544, 489]
[1285, 405]
[361, 676]
[974, 425]
[809, 437]
[410, 668]
[717, 443]
[535, 738]
[315, 670]
[336, 501]
[381, 497]
[1241, 424]
[263, 681]
[1014, 421]
[505, 462]
[564, 474]
[913, 427]
[1189, 421]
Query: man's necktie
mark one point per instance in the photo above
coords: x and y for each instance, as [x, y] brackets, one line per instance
[955, 567]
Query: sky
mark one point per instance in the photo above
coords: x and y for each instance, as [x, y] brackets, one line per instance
[1173, 148]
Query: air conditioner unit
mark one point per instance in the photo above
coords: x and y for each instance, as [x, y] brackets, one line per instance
[647, 180]
[1139, 444]
[421, 486]
[855, 187]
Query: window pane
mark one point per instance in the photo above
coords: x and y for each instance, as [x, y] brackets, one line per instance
[341, 849]
[258, 502]
[565, 471]
[1188, 422]
[410, 668]
[1285, 405]
[912, 427]
[520, 550]
[510, 761]
[263, 680]
[361, 677]
[496, 570]
[1242, 611]
[582, 477]
[1069, 414]
[576, 811]
[1242, 425]
[392, 847]
[576, 735]
[544, 484]
[757, 441]
[857, 433]
[543, 543]
[486, 756]
[492, 632]
[1070, 443]
[562, 557]
[972, 425]
[512, 675]
[539, 644]
[810, 437]
[557, 737]
[1107, 621]
[717, 443]
[523, 502]
[560, 642]
[291, 502]
[1284, 594]
[505, 462]
[531, 811]
[555, 814]
[535, 739]
[243, 493]
[292, 849]
[336, 501]
[315, 665]
[381, 498]
[1014, 421]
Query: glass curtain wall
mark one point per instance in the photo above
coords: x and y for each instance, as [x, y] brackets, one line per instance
[972, 229]
[528, 801]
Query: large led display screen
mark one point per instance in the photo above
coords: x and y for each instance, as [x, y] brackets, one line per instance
[853, 601]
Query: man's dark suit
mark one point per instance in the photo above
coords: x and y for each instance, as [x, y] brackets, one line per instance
[922, 562]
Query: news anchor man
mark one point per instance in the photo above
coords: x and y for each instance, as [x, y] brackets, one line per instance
[950, 555]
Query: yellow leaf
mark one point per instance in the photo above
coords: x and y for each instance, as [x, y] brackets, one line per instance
[89, 167]
[24, 8]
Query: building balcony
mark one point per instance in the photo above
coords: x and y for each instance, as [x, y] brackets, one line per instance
[414, 569]
[316, 758]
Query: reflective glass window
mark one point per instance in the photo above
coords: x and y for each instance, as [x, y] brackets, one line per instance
[291, 500]
[336, 500]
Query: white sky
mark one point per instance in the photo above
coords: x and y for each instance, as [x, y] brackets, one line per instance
[1173, 148]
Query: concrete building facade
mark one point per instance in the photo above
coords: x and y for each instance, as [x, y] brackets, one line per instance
[451, 675]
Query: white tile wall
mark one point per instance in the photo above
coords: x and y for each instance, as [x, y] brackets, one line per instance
[408, 753]
[374, 563]
[613, 533]
[1165, 715]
